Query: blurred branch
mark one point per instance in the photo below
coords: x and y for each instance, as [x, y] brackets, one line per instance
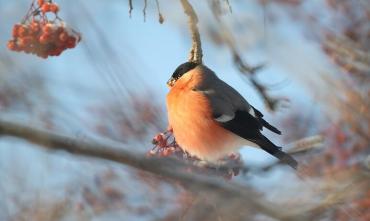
[351, 184]
[299, 147]
[250, 73]
[240, 196]
[166, 167]
[349, 56]
[196, 53]
[306, 144]
[243, 67]
[229, 5]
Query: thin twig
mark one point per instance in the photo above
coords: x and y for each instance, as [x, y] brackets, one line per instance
[144, 9]
[196, 54]
[130, 7]
[250, 72]
[160, 16]
[229, 5]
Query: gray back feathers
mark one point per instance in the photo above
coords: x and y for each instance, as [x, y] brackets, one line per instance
[224, 99]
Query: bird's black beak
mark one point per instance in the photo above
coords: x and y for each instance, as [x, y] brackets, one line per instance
[171, 82]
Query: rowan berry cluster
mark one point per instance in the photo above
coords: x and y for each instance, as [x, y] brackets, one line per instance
[166, 146]
[38, 35]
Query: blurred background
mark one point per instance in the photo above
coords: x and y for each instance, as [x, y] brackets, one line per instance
[315, 80]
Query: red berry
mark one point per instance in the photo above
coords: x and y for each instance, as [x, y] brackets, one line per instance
[22, 43]
[48, 29]
[15, 30]
[59, 30]
[63, 37]
[12, 45]
[55, 52]
[59, 51]
[44, 38]
[22, 31]
[43, 55]
[45, 7]
[71, 42]
[40, 2]
[28, 40]
[54, 8]
[35, 27]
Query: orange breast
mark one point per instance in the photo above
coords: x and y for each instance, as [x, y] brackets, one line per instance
[190, 116]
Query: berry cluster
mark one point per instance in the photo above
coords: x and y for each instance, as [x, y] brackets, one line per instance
[166, 146]
[37, 35]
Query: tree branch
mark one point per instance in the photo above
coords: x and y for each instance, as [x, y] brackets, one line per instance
[244, 68]
[250, 72]
[239, 195]
[196, 54]
[167, 167]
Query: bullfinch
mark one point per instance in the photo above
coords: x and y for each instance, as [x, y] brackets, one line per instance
[210, 119]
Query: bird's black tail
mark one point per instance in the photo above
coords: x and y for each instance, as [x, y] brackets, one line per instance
[276, 151]
[265, 123]
[269, 126]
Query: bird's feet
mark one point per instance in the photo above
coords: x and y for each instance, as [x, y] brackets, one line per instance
[228, 166]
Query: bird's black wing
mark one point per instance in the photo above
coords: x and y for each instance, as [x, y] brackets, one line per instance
[225, 101]
[249, 127]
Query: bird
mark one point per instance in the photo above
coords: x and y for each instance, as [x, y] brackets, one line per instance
[209, 119]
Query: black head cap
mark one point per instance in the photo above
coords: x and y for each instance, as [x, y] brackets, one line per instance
[180, 71]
